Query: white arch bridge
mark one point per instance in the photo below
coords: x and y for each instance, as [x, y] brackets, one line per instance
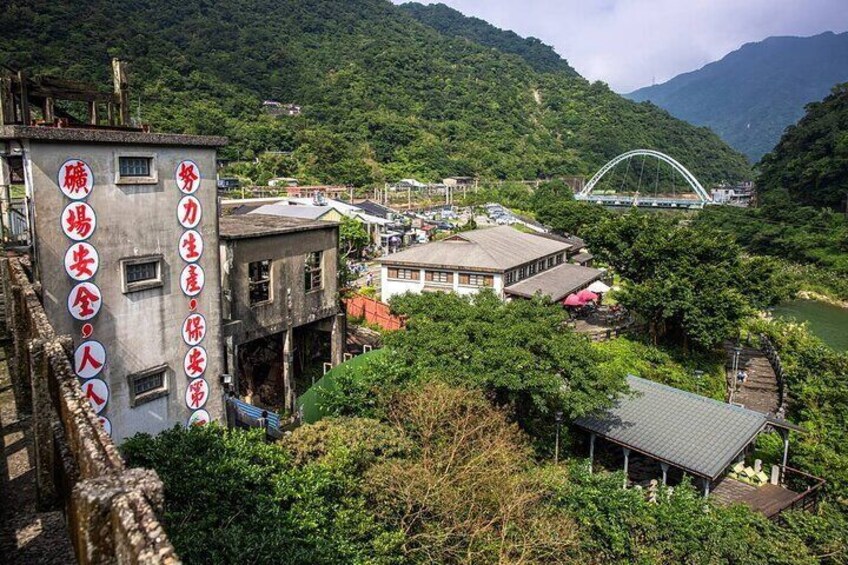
[639, 199]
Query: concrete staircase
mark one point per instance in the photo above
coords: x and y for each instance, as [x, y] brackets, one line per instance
[760, 390]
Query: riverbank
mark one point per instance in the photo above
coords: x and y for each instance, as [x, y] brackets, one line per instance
[819, 297]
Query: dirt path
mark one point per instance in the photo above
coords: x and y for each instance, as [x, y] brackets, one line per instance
[759, 391]
[26, 535]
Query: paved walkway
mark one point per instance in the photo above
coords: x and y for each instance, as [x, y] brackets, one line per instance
[26, 535]
[759, 391]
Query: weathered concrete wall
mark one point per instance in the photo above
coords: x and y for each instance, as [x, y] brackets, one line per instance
[110, 510]
[290, 305]
[140, 330]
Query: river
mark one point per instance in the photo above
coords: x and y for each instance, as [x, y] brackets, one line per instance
[828, 322]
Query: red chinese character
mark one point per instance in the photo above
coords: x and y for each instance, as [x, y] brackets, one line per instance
[195, 362]
[78, 220]
[194, 328]
[190, 243]
[89, 393]
[187, 176]
[76, 178]
[190, 211]
[197, 393]
[82, 261]
[84, 299]
[193, 280]
[88, 359]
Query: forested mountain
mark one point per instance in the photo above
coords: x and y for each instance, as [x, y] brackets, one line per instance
[454, 23]
[752, 94]
[810, 164]
[384, 96]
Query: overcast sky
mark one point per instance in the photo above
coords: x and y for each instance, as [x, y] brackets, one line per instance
[630, 43]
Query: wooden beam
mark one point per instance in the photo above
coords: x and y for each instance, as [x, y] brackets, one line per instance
[7, 101]
[93, 114]
[119, 77]
[26, 117]
[49, 115]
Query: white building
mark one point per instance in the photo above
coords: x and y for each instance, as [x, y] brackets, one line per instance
[510, 262]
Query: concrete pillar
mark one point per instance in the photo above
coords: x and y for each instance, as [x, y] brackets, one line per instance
[591, 451]
[626, 464]
[21, 379]
[42, 427]
[785, 434]
[5, 199]
[337, 340]
[288, 368]
[664, 467]
[706, 487]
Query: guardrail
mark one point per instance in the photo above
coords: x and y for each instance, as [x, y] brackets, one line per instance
[110, 509]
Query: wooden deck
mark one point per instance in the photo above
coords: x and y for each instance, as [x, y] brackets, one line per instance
[767, 499]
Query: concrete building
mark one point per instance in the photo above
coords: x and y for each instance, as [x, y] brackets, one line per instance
[499, 258]
[281, 316]
[124, 226]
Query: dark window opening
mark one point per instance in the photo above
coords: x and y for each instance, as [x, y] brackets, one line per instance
[313, 279]
[259, 281]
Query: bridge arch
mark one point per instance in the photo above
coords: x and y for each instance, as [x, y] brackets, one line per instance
[684, 172]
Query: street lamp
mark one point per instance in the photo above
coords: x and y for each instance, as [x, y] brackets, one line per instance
[699, 375]
[558, 426]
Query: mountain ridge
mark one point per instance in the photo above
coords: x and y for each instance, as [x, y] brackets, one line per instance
[749, 96]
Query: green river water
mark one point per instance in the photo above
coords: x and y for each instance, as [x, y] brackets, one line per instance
[828, 322]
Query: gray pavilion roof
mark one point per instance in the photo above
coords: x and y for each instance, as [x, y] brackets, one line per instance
[556, 283]
[490, 249]
[697, 434]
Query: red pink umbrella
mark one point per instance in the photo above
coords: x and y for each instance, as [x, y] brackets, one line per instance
[587, 296]
[573, 300]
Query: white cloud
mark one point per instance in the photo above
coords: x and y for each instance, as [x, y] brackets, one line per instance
[630, 43]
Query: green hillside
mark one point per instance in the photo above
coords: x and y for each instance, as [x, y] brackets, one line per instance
[384, 96]
[453, 23]
[751, 95]
[810, 164]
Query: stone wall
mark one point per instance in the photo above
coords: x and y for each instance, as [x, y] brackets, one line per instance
[110, 509]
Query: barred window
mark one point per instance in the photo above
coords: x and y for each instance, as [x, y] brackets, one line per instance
[259, 281]
[313, 273]
[140, 272]
[148, 385]
[134, 166]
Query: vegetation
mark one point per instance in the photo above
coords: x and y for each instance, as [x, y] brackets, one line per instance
[445, 477]
[751, 95]
[691, 286]
[810, 164]
[384, 96]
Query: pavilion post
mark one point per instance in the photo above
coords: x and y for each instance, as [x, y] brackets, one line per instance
[785, 434]
[664, 467]
[706, 488]
[591, 451]
[626, 463]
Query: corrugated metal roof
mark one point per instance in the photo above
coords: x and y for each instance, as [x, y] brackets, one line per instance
[290, 211]
[556, 283]
[494, 249]
[694, 433]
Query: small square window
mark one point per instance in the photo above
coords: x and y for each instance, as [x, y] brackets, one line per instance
[259, 281]
[141, 273]
[148, 385]
[134, 166]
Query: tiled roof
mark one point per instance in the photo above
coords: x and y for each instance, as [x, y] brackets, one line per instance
[493, 249]
[556, 283]
[694, 433]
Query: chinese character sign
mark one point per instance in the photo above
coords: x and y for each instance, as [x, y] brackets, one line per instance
[191, 246]
[199, 418]
[97, 393]
[194, 363]
[192, 280]
[75, 179]
[81, 261]
[194, 329]
[89, 359]
[84, 301]
[78, 221]
[188, 177]
[197, 393]
[189, 212]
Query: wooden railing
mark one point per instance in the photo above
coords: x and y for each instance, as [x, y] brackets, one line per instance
[809, 485]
